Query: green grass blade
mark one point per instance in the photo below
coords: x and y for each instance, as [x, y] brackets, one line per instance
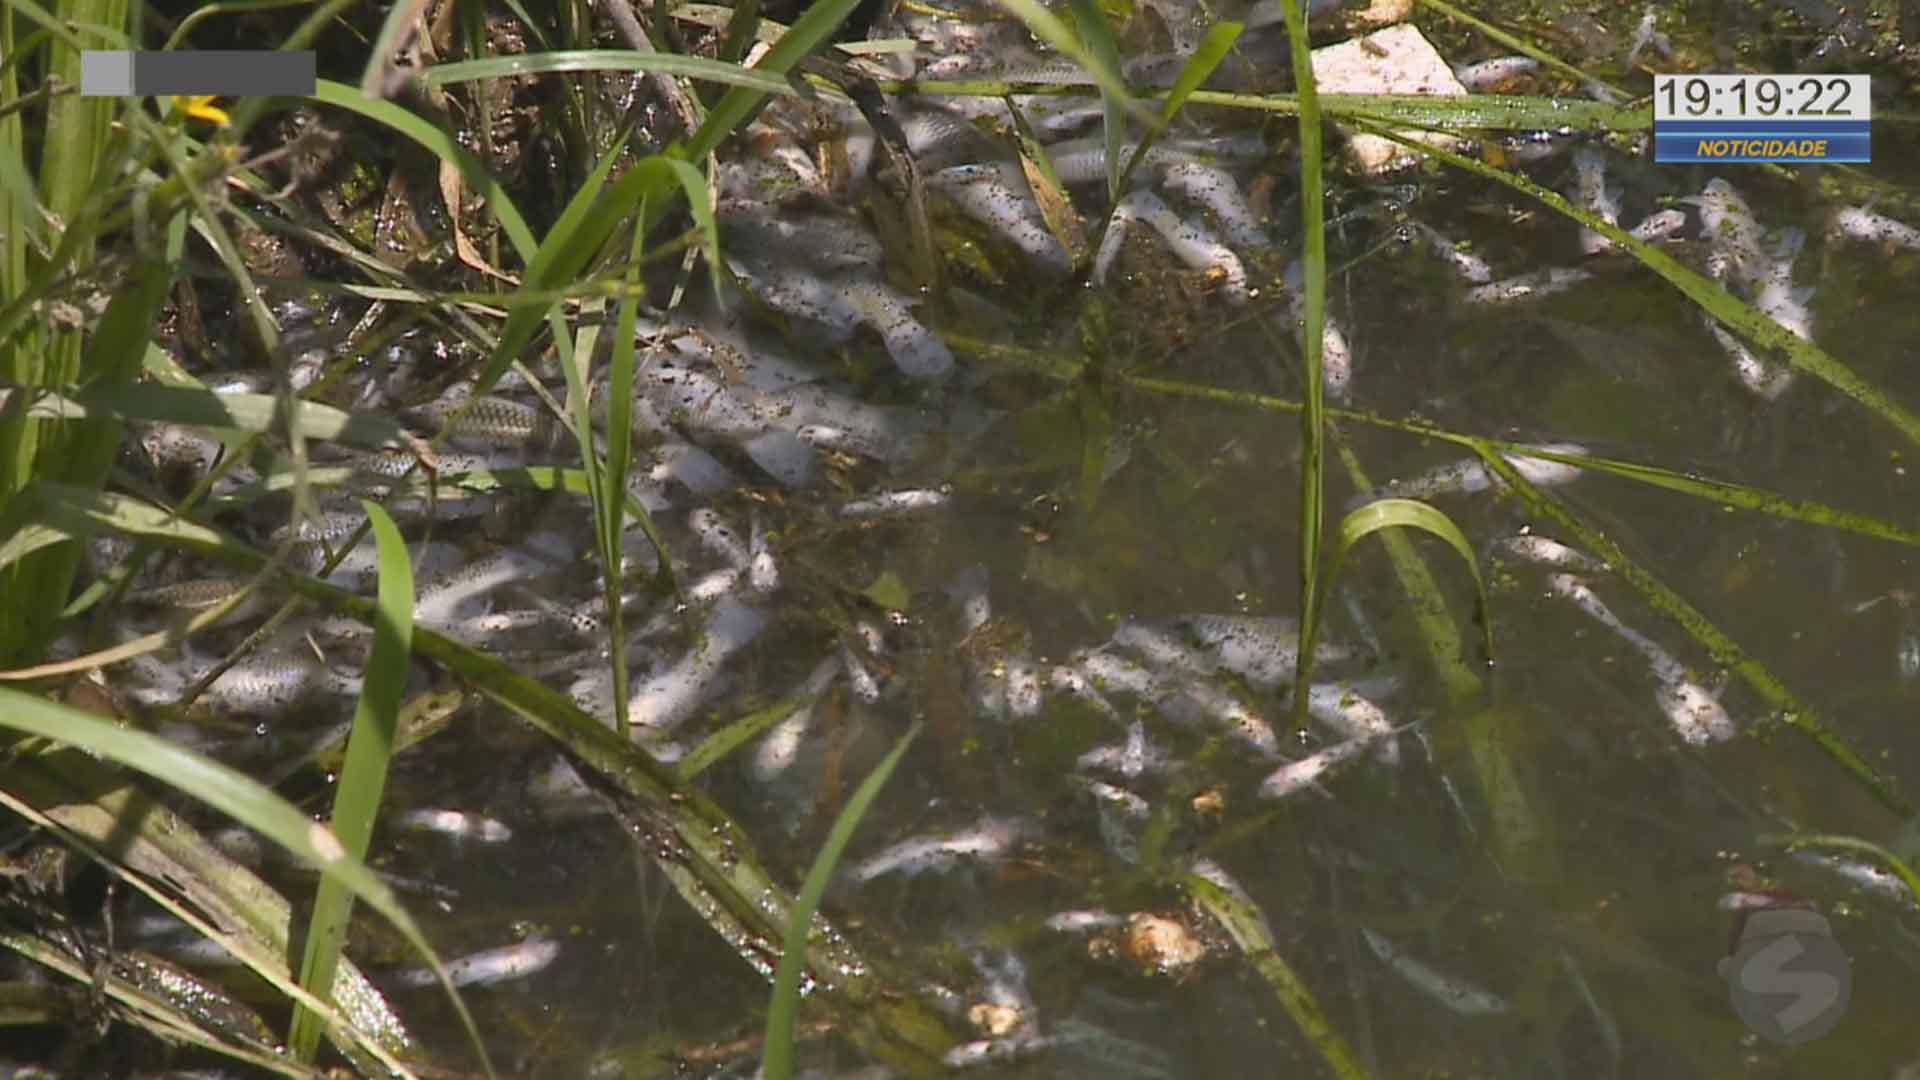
[1097, 36]
[734, 735]
[785, 1003]
[363, 779]
[253, 413]
[222, 788]
[1382, 514]
[1193, 74]
[742, 27]
[1313, 257]
[1248, 929]
[738, 104]
[442, 145]
[107, 814]
[1047, 26]
[548, 63]
[1899, 866]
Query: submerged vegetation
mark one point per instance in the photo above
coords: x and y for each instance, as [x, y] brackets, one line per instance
[919, 537]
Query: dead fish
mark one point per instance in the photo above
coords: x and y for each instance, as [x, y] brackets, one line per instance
[1532, 286]
[1551, 553]
[1264, 650]
[1129, 759]
[997, 196]
[991, 838]
[1215, 189]
[668, 698]
[1471, 476]
[1296, 776]
[1456, 995]
[1859, 223]
[1340, 706]
[448, 596]
[1594, 195]
[1487, 74]
[896, 503]
[1471, 268]
[490, 967]
[455, 825]
[1689, 707]
[1729, 228]
[1193, 244]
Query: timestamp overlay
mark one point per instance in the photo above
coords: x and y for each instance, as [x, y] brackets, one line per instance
[1790, 119]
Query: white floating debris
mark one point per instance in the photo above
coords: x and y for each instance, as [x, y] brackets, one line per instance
[1397, 60]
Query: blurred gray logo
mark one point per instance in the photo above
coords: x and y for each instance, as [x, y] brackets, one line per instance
[1787, 978]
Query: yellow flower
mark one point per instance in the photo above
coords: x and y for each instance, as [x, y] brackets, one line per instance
[200, 107]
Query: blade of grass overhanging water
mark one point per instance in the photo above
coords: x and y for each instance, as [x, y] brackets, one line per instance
[1382, 514]
[1047, 26]
[1477, 741]
[363, 779]
[785, 1003]
[1899, 866]
[1248, 928]
[103, 812]
[254, 413]
[1789, 709]
[735, 734]
[1056, 205]
[1518, 44]
[1097, 36]
[1199, 67]
[227, 791]
[1313, 257]
[739, 104]
[443, 146]
[576, 60]
[743, 26]
[1704, 292]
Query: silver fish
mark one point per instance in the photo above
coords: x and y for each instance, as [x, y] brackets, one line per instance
[1455, 994]
[1692, 710]
[991, 838]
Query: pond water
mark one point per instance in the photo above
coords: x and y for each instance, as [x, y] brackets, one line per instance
[1073, 583]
